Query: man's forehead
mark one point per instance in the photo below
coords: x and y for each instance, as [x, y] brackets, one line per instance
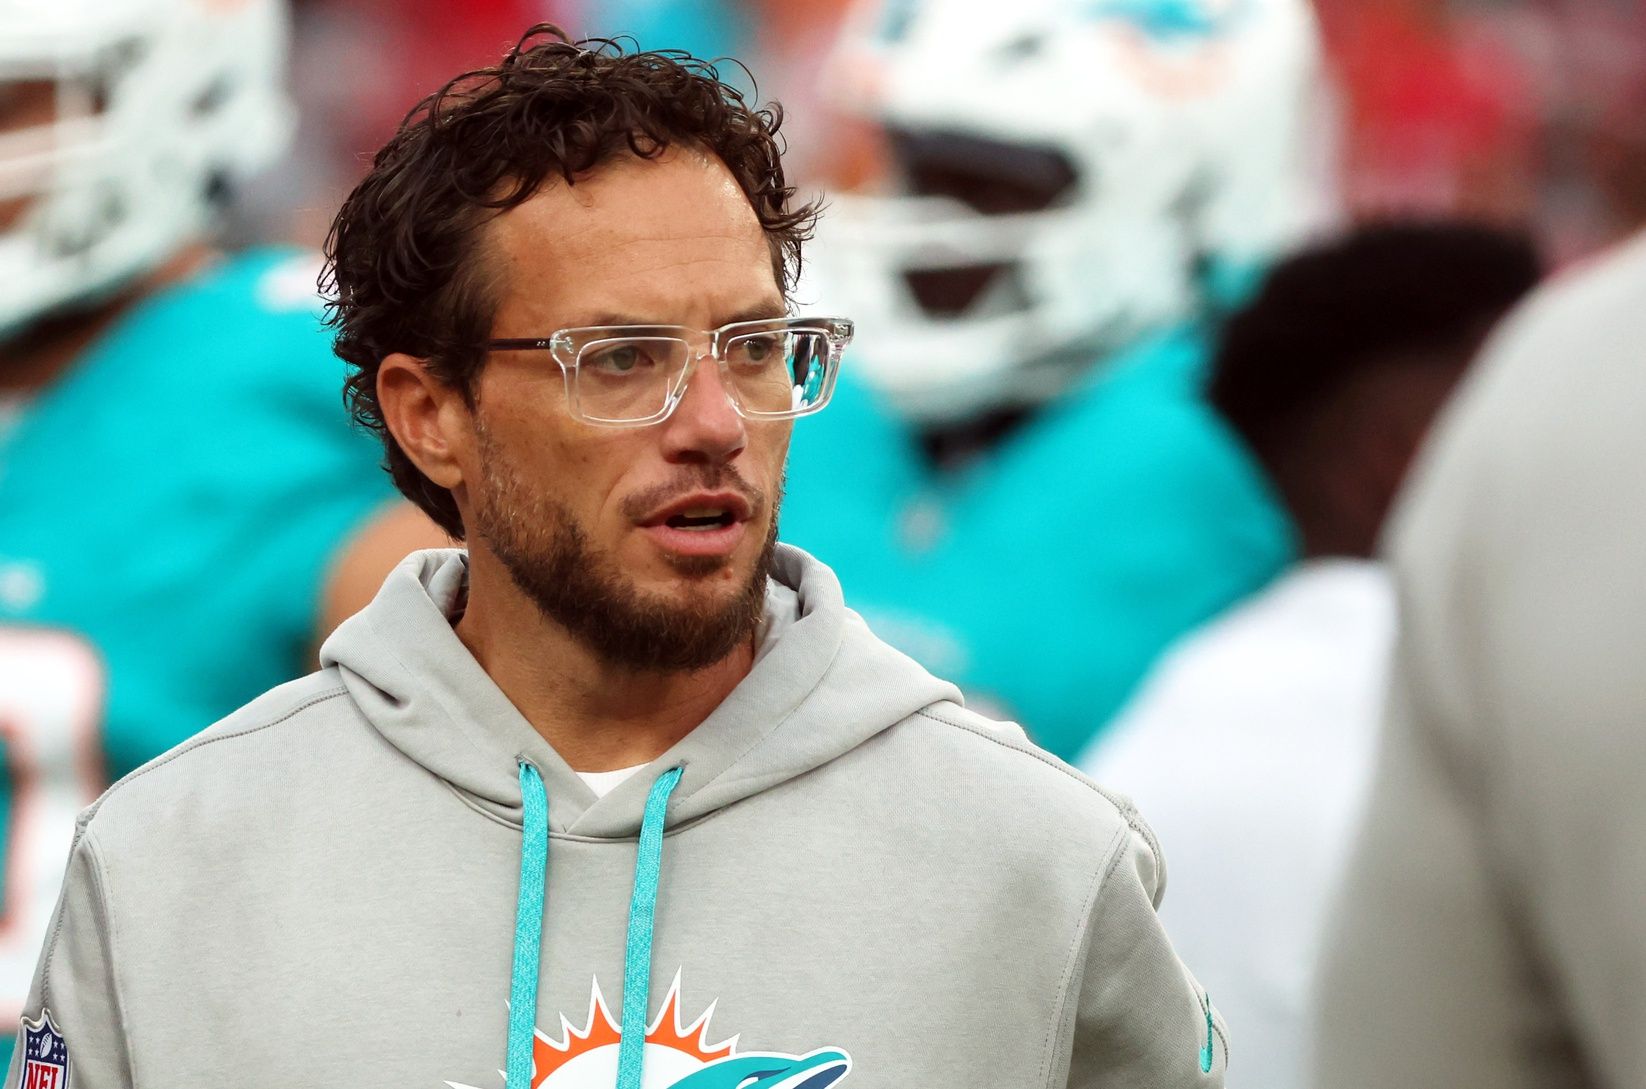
[683, 195]
[637, 236]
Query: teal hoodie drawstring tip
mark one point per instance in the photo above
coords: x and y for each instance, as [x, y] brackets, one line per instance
[1206, 1050]
[637, 956]
[528, 927]
[528, 930]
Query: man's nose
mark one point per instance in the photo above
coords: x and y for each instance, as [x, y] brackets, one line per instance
[704, 427]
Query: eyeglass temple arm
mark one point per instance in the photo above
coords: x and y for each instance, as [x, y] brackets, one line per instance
[517, 344]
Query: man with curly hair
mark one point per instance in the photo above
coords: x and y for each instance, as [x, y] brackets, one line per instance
[625, 762]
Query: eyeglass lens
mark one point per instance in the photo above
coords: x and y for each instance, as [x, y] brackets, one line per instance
[779, 373]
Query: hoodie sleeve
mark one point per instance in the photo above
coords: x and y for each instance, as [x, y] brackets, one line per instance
[74, 982]
[1140, 1019]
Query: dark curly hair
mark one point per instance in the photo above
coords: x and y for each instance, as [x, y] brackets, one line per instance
[401, 272]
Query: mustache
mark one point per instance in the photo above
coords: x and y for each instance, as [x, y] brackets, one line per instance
[699, 478]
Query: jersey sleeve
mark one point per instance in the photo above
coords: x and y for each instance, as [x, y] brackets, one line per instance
[334, 480]
[289, 477]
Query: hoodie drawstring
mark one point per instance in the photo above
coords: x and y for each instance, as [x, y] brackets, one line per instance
[528, 927]
[528, 930]
[637, 955]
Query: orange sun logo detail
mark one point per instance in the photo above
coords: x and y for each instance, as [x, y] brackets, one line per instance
[586, 1057]
[600, 1031]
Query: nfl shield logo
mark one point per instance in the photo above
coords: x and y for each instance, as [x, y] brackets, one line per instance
[45, 1055]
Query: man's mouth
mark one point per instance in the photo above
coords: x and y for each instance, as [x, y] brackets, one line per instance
[700, 523]
[700, 510]
[701, 518]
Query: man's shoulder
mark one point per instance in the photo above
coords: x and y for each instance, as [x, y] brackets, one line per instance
[1569, 350]
[240, 763]
[1017, 786]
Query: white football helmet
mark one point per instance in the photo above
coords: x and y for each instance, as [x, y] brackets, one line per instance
[1066, 175]
[160, 106]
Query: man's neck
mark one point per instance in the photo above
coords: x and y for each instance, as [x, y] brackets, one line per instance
[597, 716]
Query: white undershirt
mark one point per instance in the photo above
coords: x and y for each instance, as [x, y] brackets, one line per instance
[604, 782]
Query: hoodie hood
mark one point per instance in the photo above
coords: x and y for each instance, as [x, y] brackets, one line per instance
[822, 685]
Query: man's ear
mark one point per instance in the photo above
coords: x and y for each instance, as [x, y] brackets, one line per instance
[428, 417]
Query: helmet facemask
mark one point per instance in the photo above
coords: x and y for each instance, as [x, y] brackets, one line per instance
[158, 107]
[1047, 201]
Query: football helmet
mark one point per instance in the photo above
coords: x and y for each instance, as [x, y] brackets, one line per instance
[156, 108]
[1063, 176]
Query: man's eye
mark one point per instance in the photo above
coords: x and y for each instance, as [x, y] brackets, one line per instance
[758, 349]
[619, 359]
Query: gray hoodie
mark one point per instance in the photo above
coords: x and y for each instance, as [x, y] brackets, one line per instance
[850, 878]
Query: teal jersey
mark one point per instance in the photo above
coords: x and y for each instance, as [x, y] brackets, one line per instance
[168, 510]
[1046, 577]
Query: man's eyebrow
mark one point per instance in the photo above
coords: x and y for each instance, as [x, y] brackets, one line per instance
[765, 311]
[612, 317]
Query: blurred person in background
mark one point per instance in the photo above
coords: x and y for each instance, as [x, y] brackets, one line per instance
[1490, 931]
[1251, 743]
[1038, 499]
[184, 507]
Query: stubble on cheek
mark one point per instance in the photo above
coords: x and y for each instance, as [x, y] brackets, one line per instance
[586, 588]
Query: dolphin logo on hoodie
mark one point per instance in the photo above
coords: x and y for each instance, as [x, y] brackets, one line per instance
[814, 1071]
[677, 1056]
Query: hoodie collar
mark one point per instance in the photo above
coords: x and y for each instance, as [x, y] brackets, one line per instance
[821, 687]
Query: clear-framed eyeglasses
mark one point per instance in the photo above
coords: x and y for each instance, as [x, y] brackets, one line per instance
[635, 375]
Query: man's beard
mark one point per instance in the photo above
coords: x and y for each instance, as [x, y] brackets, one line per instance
[551, 559]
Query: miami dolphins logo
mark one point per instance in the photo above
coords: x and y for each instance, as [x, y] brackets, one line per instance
[1175, 48]
[677, 1056]
[1172, 20]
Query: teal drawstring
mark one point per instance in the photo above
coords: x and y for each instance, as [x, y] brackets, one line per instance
[528, 927]
[637, 957]
[528, 930]
[1206, 1052]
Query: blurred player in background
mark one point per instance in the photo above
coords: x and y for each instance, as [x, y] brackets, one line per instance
[1490, 931]
[1250, 746]
[184, 508]
[1021, 484]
